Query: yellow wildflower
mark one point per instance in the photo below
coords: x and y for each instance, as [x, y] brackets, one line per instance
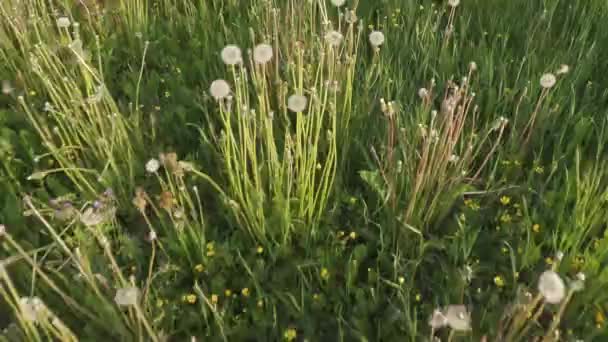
[341, 234]
[600, 319]
[499, 281]
[214, 299]
[245, 292]
[401, 280]
[190, 298]
[324, 273]
[260, 250]
[506, 218]
[505, 200]
[228, 293]
[260, 303]
[418, 297]
[536, 227]
[199, 268]
[353, 235]
[539, 169]
[549, 260]
[290, 334]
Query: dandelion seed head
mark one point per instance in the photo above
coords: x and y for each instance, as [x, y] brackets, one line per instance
[262, 53]
[6, 87]
[151, 236]
[232, 55]
[548, 80]
[152, 165]
[551, 286]
[32, 309]
[453, 3]
[338, 3]
[334, 38]
[563, 69]
[127, 296]
[458, 317]
[297, 103]
[376, 38]
[438, 320]
[219, 89]
[63, 22]
[423, 93]
[350, 17]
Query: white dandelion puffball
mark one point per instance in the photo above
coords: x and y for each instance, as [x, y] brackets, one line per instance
[338, 3]
[552, 287]
[127, 296]
[219, 89]
[152, 165]
[458, 317]
[63, 22]
[438, 320]
[297, 103]
[423, 93]
[262, 53]
[453, 3]
[334, 38]
[350, 17]
[548, 81]
[231, 55]
[6, 87]
[376, 38]
[32, 308]
[563, 69]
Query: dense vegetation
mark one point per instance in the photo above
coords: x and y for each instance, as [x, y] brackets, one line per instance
[264, 170]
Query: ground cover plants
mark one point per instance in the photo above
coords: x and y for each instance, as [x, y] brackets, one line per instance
[283, 170]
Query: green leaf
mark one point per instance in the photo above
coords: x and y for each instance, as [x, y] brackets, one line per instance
[375, 181]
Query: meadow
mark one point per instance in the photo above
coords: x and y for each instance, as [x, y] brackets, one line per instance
[303, 170]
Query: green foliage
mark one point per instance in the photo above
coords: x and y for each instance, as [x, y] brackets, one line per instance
[431, 171]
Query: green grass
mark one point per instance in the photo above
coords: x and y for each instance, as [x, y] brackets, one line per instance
[354, 219]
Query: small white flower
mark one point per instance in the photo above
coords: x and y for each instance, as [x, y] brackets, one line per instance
[338, 3]
[219, 89]
[438, 320]
[152, 165]
[548, 80]
[127, 296]
[376, 38]
[262, 53]
[473, 66]
[231, 55]
[334, 38]
[551, 286]
[458, 317]
[563, 69]
[63, 22]
[453, 3]
[559, 255]
[297, 103]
